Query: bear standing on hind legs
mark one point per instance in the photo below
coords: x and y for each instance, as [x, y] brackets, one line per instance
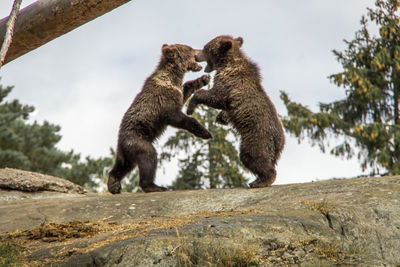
[238, 92]
[157, 105]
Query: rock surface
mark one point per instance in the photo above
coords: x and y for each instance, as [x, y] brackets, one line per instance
[351, 222]
[18, 184]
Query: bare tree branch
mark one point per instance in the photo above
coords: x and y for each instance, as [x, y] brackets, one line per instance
[9, 31]
[46, 20]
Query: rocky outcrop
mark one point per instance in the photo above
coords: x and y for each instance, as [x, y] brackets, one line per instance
[18, 184]
[352, 222]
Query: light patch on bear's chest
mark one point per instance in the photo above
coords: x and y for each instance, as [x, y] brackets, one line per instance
[230, 71]
[164, 81]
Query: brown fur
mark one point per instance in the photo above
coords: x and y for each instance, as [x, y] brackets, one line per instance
[237, 90]
[157, 105]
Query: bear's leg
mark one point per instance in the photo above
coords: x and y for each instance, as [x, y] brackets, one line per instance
[209, 98]
[180, 120]
[266, 176]
[147, 163]
[122, 166]
[261, 167]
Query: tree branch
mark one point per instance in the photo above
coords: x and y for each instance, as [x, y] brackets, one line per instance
[46, 20]
[9, 31]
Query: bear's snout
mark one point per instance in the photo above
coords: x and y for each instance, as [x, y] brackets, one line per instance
[199, 56]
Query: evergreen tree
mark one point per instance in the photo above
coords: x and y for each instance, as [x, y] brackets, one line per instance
[32, 146]
[210, 163]
[368, 118]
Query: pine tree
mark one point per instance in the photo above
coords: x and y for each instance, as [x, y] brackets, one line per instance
[10, 143]
[367, 121]
[32, 146]
[210, 163]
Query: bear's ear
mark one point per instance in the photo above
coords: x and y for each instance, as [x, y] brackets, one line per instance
[164, 45]
[225, 46]
[168, 51]
[239, 41]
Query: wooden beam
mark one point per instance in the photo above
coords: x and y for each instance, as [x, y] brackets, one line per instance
[46, 20]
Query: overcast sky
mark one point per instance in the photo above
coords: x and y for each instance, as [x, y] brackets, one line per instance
[85, 80]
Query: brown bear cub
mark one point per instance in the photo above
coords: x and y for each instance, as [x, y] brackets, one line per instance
[237, 91]
[157, 105]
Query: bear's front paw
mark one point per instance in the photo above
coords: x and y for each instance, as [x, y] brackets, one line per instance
[205, 79]
[205, 135]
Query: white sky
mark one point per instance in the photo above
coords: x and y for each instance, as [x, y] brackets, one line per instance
[85, 80]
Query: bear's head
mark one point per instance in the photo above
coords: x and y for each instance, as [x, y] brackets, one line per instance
[219, 50]
[181, 56]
